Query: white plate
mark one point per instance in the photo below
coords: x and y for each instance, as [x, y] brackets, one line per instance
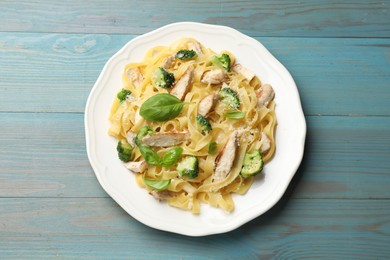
[120, 184]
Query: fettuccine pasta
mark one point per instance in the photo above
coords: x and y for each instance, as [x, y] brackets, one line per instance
[219, 140]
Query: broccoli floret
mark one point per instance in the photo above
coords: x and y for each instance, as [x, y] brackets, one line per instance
[188, 166]
[203, 123]
[125, 150]
[229, 97]
[122, 95]
[253, 164]
[163, 78]
[222, 61]
[185, 54]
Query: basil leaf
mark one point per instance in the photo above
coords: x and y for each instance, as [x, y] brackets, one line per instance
[157, 184]
[235, 115]
[212, 147]
[171, 156]
[161, 107]
[150, 156]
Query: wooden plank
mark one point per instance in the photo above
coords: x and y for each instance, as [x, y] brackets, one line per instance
[51, 73]
[98, 229]
[345, 157]
[325, 18]
[338, 76]
[334, 76]
[44, 155]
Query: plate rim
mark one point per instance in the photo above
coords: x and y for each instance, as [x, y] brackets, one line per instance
[243, 219]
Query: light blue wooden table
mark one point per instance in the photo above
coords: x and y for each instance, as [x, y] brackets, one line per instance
[51, 204]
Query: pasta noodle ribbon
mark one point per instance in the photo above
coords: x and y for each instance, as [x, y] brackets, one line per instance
[255, 123]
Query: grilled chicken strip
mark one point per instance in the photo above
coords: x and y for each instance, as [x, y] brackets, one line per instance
[207, 104]
[215, 76]
[164, 139]
[130, 137]
[136, 167]
[183, 84]
[265, 143]
[161, 195]
[249, 75]
[167, 62]
[265, 95]
[135, 76]
[226, 160]
[195, 46]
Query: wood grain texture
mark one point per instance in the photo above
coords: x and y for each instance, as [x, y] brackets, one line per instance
[324, 18]
[345, 157]
[98, 229]
[334, 76]
[44, 155]
[51, 204]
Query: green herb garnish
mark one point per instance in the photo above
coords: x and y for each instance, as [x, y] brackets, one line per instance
[161, 107]
[212, 147]
[157, 184]
[235, 115]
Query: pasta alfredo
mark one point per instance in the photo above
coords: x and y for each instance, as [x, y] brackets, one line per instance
[194, 126]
